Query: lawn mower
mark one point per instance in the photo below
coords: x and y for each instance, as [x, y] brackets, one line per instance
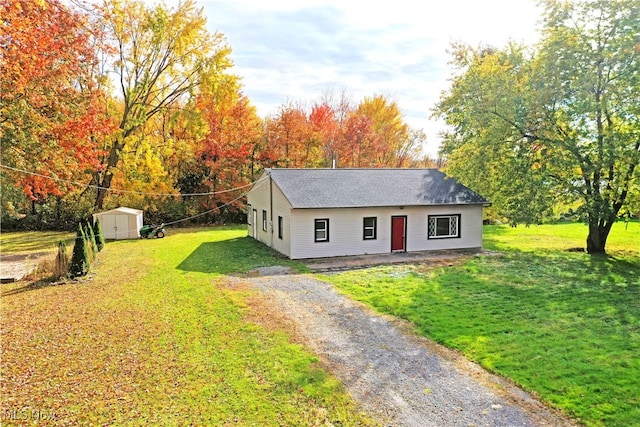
[152, 230]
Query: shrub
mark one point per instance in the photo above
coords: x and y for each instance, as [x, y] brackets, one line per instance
[62, 261]
[80, 262]
[85, 237]
[97, 231]
[51, 269]
[91, 237]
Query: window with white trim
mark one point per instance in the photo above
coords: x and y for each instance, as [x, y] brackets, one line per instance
[249, 210]
[369, 226]
[280, 227]
[444, 226]
[321, 230]
[264, 220]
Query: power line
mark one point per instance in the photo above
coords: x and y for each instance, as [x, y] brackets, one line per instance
[163, 224]
[207, 212]
[115, 190]
[157, 194]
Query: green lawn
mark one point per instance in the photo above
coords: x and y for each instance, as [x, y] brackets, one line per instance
[564, 325]
[623, 241]
[26, 242]
[156, 336]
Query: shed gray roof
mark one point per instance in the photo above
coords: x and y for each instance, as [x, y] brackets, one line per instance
[343, 188]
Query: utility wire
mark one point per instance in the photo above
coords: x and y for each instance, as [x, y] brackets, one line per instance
[97, 187]
[161, 225]
[172, 222]
[206, 212]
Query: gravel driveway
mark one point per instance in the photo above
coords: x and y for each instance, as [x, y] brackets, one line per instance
[399, 378]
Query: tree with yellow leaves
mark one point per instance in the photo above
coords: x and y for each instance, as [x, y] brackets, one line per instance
[159, 59]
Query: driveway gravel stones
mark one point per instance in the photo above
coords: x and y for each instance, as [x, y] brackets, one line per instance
[398, 377]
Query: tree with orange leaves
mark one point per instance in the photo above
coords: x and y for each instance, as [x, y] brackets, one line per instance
[326, 133]
[223, 156]
[52, 108]
[287, 139]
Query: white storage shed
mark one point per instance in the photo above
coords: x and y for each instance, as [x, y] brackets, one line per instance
[120, 223]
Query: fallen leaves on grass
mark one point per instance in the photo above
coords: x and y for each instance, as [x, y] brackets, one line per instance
[146, 342]
[65, 349]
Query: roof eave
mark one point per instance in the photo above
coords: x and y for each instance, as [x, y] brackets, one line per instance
[484, 204]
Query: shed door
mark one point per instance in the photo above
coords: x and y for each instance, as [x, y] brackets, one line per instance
[115, 226]
[122, 227]
[398, 233]
[108, 226]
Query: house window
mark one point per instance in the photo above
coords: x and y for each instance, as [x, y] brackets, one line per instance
[249, 210]
[264, 220]
[369, 225]
[444, 226]
[280, 227]
[321, 230]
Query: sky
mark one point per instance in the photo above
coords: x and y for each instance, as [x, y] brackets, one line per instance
[297, 51]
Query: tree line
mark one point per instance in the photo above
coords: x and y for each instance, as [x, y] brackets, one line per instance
[143, 99]
[124, 103]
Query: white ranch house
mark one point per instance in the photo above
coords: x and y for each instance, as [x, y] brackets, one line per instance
[315, 213]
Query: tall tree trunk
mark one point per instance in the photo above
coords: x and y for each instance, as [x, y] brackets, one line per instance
[104, 182]
[103, 189]
[598, 233]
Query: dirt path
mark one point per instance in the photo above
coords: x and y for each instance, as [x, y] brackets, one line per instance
[15, 267]
[399, 378]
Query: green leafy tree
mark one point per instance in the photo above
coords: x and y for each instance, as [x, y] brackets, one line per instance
[87, 242]
[486, 148]
[561, 122]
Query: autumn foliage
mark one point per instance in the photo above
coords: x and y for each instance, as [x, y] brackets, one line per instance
[130, 103]
[52, 111]
[223, 153]
[370, 135]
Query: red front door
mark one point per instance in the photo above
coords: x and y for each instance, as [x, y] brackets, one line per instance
[398, 233]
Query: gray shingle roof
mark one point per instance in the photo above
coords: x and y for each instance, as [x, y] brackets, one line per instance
[341, 188]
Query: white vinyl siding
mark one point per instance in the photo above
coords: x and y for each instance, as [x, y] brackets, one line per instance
[346, 230]
[282, 208]
[266, 196]
[258, 198]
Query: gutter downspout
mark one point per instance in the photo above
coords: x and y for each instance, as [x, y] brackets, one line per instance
[271, 207]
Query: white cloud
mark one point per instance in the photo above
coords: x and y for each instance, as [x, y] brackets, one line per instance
[288, 50]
